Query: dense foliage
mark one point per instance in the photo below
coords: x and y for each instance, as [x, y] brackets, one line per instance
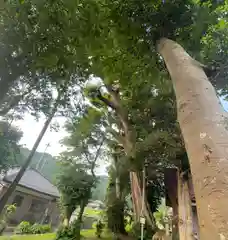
[27, 228]
[75, 186]
[115, 90]
[71, 232]
[9, 145]
[9, 210]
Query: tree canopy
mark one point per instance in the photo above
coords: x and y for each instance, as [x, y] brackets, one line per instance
[116, 92]
[10, 148]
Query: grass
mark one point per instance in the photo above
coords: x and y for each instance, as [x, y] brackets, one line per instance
[88, 234]
[49, 236]
[92, 212]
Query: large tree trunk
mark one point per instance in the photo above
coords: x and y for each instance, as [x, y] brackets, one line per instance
[81, 211]
[203, 125]
[184, 210]
[138, 201]
[116, 217]
[68, 213]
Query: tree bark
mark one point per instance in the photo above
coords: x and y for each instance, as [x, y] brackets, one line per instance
[81, 211]
[133, 197]
[67, 214]
[66, 222]
[138, 201]
[116, 217]
[79, 218]
[13, 185]
[184, 211]
[203, 125]
[117, 180]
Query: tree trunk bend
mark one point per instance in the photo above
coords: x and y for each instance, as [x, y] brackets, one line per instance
[203, 125]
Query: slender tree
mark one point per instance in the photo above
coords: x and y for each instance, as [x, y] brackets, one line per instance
[85, 150]
[75, 186]
[9, 142]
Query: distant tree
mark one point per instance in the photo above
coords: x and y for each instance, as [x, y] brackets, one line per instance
[75, 185]
[48, 166]
[99, 192]
[9, 145]
[77, 177]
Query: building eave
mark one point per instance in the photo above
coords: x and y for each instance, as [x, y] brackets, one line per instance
[31, 189]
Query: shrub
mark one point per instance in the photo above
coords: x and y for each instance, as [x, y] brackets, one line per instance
[46, 228]
[39, 229]
[36, 229]
[24, 228]
[27, 228]
[99, 228]
[71, 232]
[8, 211]
[128, 227]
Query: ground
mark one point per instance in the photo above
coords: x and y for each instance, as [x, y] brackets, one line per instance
[91, 212]
[29, 237]
[88, 234]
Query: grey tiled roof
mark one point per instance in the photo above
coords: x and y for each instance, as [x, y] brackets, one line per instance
[33, 180]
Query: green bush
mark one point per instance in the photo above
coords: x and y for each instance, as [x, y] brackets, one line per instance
[99, 228]
[8, 211]
[128, 227]
[39, 229]
[27, 228]
[24, 228]
[36, 229]
[46, 228]
[71, 232]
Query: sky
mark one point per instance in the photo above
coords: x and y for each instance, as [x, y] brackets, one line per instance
[31, 129]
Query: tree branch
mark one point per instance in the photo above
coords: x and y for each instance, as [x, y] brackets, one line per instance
[93, 162]
[106, 101]
[115, 104]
